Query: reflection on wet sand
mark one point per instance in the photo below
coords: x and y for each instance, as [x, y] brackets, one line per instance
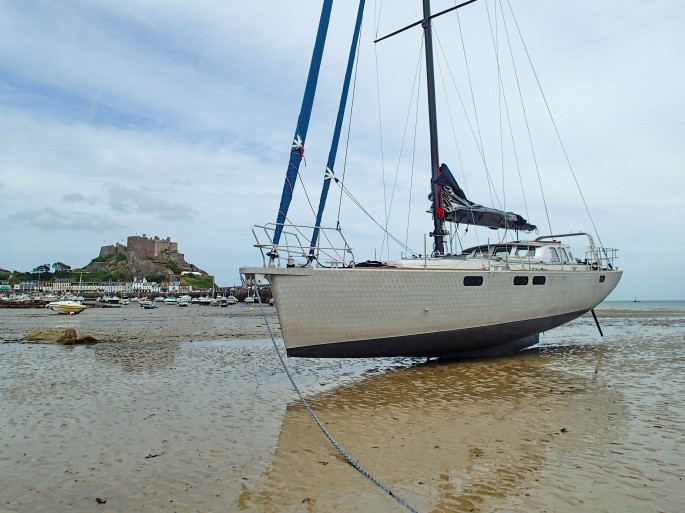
[458, 436]
[179, 413]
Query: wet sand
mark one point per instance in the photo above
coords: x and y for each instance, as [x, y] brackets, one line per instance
[190, 410]
[162, 324]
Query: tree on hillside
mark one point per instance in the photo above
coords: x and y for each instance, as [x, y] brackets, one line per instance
[42, 269]
[60, 267]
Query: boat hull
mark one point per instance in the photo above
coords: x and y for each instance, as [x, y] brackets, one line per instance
[66, 307]
[366, 312]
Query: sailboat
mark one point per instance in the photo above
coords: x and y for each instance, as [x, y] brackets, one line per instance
[492, 298]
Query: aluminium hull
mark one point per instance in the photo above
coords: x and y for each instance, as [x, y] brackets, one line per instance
[367, 312]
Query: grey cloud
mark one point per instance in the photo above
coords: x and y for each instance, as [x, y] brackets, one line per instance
[50, 219]
[125, 200]
[75, 197]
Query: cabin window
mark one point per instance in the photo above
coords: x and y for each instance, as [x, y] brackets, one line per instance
[564, 258]
[539, 280]
[525, 251]
[520, 280]
[473, 281]
[501, 252]
[553, 255]
[602, 278]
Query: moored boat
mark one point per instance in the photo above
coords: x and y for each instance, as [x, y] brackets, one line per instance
[147, 304]
[491, 299]
[66, 307]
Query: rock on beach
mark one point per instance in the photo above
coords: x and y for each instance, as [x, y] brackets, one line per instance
[66, 336]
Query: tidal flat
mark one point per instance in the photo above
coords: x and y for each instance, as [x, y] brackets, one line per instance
[187, 410]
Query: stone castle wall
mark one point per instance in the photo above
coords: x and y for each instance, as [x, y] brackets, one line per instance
[140, 251]
[142, 247]
[112, 250]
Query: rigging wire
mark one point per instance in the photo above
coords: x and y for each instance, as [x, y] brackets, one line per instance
[495, 42]
[556, 130]
[481, 151]
[413, 160]
[318, 422]
[380, 126]
[449, 113]
[525, 116]
[349, 124]
[305, 192]
[502, 98]
[475, 113]
[368, 214]
[415, 84]
[511, 130]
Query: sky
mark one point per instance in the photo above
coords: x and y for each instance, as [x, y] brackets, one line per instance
[175, 119]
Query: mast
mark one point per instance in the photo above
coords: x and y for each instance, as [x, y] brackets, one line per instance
[438, 216]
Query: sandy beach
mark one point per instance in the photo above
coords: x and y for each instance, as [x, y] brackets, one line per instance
[188, 410]
[162, 324]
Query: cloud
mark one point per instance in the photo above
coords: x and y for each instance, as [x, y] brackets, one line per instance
[144, 200]
[50, 219]
[75, 197]
[157, 117]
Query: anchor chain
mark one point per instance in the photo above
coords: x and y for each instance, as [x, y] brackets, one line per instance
[323, 429]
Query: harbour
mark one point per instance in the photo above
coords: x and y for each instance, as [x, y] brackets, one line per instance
[182, 411]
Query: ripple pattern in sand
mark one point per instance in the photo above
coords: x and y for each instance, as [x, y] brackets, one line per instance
[192, 420]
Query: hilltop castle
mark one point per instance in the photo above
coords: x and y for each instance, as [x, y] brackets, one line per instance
[144, 256]
[140, 247]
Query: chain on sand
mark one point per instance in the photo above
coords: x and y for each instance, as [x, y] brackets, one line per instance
[332, 440]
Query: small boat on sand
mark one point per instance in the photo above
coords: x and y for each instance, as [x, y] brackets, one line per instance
[66, 307]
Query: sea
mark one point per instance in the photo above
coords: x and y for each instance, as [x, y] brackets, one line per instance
[193, 410]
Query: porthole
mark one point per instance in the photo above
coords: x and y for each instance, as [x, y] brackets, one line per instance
[520, 280]
[539, 280]
[473, 281]
[602, 278]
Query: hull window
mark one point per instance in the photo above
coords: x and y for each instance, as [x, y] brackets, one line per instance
[539, 280]
[521, 280]
[473, 281]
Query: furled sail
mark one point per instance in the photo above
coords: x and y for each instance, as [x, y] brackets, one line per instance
[458, 209]
[330, 165]
[297, 148]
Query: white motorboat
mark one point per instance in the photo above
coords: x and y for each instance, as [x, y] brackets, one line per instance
[491, 299]
[170, 300]
[147, 304]
[66, 307]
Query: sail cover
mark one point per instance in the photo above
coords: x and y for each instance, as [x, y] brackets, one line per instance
[297, 149]
[458, 209]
